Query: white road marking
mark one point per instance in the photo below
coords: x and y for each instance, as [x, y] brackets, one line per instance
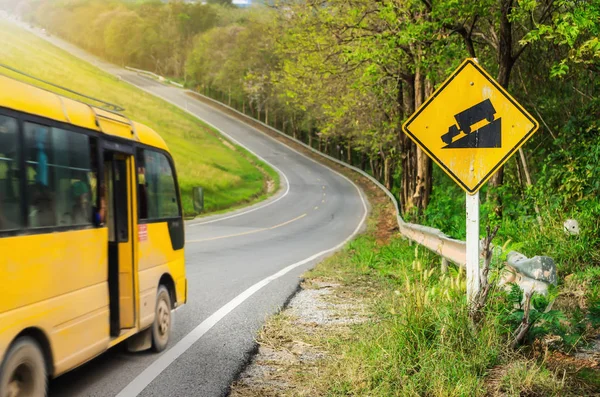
[263, 229]
[157, 367]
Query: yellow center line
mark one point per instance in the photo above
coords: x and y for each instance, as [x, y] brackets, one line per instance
[264, 229]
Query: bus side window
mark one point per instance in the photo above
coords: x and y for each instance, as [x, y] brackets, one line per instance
[58, 167]
[10, 194]
[142, 187]
[157, 192]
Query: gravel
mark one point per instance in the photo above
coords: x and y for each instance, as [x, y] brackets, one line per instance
[312, 306]
[310, 309]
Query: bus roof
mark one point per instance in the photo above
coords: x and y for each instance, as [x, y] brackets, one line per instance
[27, 98]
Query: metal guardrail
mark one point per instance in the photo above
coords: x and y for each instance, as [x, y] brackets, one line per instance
[433, 239]
[154, 75]
[145, 72]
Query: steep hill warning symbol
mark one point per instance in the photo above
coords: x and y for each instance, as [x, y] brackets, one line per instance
[470, 126]
[486, 136]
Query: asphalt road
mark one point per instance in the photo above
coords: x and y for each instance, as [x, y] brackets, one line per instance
[241, 267]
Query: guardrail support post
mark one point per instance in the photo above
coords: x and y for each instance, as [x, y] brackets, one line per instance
[473, 282]
[444, 265]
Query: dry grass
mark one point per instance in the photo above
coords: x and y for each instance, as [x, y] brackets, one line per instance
[294, 344]
[524, 378]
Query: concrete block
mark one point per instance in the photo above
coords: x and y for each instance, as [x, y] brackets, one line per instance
[541, 268]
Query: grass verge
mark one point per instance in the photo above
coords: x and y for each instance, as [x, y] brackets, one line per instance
[408, 334]
[229, 175]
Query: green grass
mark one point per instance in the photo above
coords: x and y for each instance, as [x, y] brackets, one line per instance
[417, 339]
[229, 175]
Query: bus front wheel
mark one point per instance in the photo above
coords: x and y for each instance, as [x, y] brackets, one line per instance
[161, 329]
[23, 372]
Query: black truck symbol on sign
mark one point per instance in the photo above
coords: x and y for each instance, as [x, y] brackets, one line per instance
[488, 136]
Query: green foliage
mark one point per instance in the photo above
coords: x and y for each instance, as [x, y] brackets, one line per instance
[235, 59]
[447, 209]
[342, 77]
[149, 35]
[568, 187]
[590, 277]
[570, 327]
[574, 25]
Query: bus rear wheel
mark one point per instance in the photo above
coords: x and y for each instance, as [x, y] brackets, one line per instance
[23, 372]
[161, 329]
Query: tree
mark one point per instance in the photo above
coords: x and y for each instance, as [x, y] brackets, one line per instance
[497, 27]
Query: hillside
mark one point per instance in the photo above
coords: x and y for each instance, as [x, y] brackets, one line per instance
[230, 176]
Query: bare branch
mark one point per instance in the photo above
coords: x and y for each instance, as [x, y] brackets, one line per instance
[490, 42]
[525, 325]
[480, 300]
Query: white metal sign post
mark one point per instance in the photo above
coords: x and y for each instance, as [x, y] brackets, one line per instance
[473, 275]
[470, 127]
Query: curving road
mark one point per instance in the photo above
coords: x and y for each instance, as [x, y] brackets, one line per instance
[241, 267]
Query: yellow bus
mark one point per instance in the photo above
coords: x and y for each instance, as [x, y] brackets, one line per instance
[91, 236]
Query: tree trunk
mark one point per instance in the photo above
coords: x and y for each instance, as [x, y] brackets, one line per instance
[387, 173]
[349, 153]
[408, 149]
[529, 183]
[374, 168]
[423, 183]
[520, 178]
[505, 65]
[266, 114]
[363, 161]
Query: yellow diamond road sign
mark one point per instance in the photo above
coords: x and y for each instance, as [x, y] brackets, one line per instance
[470, 126]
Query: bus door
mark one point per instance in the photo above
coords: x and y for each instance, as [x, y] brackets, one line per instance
[119, 179]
